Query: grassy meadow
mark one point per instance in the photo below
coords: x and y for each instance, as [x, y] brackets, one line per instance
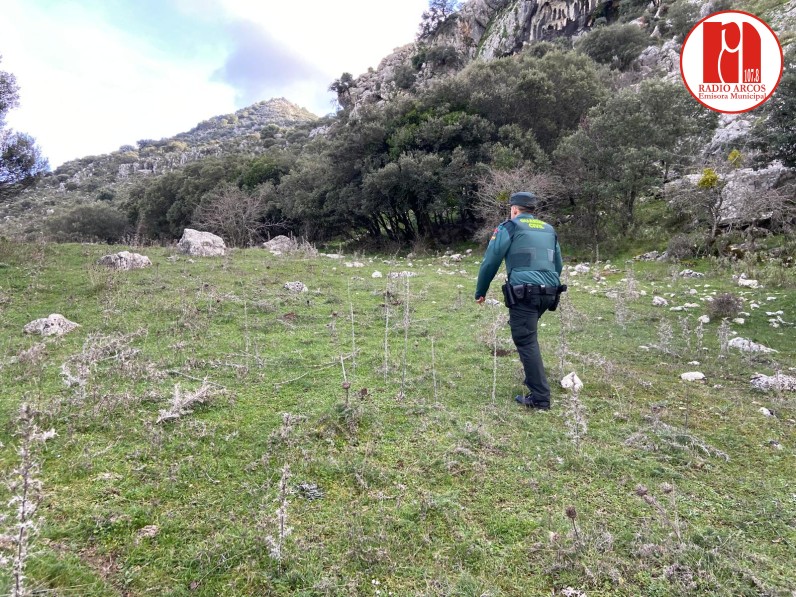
[361, 438]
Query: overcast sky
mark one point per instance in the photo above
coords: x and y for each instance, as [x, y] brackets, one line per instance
[98, 74]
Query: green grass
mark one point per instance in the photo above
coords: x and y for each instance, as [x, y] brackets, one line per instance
[436, 490]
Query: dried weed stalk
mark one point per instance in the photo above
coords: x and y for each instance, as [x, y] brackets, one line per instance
[183, 403]
[276, 541]
[26, 489]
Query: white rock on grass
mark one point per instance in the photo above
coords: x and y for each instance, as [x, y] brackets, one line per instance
[456, 257]
[779, 382]
[201, 244]
[689, 273]
[395, 275]
[765, 412]
[54, 325]
[281, 244]
[739, 320]
[376, 274]
[745, 345]
[572, 381]
[659, 301]
[693, 376]
[745, 282]
[493, 302]
[582, 268]
[704, 319]
[296, 287]
[125, 260]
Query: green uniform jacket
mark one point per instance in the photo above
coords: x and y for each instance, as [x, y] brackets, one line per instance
[496, 252]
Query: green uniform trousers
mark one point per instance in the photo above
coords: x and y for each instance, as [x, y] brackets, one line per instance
[523, 320]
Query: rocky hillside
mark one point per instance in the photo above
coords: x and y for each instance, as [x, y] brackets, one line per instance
[485, 29]
[247, 132]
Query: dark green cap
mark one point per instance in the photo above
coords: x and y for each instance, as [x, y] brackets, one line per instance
[523, 199]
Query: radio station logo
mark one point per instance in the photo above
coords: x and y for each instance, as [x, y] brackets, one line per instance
[731, 62]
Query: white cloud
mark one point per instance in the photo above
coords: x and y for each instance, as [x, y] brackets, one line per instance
[88, 87]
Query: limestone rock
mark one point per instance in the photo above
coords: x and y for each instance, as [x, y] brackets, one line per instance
[280, 243]
[572, 381]
[652, 256]
[688, 273]
[54, 325]
[778, 382]
[659, 301]
[377, 274]
[125, 261]
[201, 244]
[745, 282]
[732, 129]
[693, 376]
[396, 275]
[703, 319]
[297, 287]
[663, 60]
[745, 345]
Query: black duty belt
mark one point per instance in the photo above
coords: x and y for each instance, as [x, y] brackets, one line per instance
[520, 292]
[523, 290]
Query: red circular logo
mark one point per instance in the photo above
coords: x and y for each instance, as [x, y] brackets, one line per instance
[731, 62]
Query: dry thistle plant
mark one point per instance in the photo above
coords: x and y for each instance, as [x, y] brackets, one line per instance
[353, 333]
[699, 332]
[575, 417]
[567, 324]
[572, 514]
[183, 404]
[670, 521]
[621, 311]
[387, 295]
[434, 371]
[724, 337]
[276, 543]
[665, 336]
[406, 323]
[27, 492]
[685, 329]
[498, 322]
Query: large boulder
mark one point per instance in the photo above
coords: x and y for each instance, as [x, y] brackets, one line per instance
[125, 260]
[201, 244]
[54, 325]
[280, 243]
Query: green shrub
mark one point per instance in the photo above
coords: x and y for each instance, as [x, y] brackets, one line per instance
[91, 222]
[404, 76]
[617, 45]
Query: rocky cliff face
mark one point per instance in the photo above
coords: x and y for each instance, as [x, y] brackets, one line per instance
[513, 23]
[482, 29]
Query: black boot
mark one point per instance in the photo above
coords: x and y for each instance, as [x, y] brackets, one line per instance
[529, 402]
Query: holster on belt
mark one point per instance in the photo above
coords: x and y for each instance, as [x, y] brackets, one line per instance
[508, 296]
[559, 290]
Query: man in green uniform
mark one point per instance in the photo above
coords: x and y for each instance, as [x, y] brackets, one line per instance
[533, 264]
